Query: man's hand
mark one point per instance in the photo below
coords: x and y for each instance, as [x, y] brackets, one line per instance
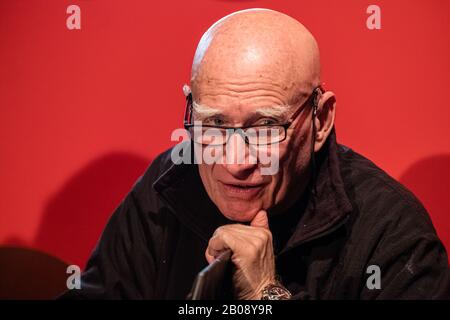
[252, 255]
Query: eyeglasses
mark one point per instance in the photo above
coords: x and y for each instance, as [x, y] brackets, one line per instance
[258, 135]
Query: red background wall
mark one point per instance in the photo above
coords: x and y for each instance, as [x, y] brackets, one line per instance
[83, 112]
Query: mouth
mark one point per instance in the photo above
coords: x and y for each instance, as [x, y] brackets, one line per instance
[241, 190]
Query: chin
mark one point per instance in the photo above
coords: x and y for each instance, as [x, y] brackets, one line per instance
[239, 211]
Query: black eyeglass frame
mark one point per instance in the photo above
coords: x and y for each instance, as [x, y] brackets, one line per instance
[313, 99]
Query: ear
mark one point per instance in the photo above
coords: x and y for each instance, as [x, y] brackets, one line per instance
[324, 120]
[186, 90]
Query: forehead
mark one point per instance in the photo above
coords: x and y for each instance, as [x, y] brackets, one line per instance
[243, 91]
[241, 84]
[243, 97]
[261, 84]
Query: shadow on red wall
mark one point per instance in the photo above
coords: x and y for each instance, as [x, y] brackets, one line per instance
[75, 216]
[429, 179]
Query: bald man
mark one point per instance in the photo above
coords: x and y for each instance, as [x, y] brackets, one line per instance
[326, 224]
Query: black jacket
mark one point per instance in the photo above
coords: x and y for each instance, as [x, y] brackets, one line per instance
[154, 243]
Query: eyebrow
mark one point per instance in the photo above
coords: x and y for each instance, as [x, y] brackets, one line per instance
[203, 111]
[273, 112]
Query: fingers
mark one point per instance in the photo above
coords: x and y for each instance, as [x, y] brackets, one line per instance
[220, 241]
[260, 220]
[211, 255]
[240, 238]
[252, 254]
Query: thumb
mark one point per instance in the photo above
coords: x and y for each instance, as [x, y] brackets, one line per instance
[260, 220]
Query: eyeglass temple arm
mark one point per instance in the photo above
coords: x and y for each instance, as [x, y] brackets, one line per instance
[188, 111]
[311, 99]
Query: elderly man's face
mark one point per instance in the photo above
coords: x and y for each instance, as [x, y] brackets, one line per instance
[256, 68]
[241, 190]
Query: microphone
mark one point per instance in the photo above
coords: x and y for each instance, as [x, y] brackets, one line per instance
[214, 282]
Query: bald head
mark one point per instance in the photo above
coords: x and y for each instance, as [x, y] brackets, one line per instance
[257, 45]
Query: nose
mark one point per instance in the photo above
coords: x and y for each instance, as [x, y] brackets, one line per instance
[240, 171]
[240, 160]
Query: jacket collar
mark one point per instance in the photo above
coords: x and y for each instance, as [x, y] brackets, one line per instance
[181, 187]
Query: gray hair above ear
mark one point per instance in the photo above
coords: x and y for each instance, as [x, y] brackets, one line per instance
[186, 90]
